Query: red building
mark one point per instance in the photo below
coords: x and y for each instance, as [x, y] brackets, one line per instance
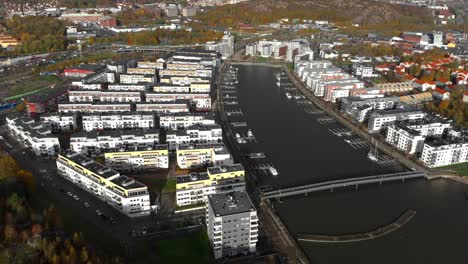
[46, 102]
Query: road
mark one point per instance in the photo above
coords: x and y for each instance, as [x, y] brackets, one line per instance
[123, 229]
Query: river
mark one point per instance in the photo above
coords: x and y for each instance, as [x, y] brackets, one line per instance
[304, 150]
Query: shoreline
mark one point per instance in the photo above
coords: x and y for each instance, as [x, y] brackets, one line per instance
[381, 231]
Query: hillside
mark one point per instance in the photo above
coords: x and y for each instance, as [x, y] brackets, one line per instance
[355, 11]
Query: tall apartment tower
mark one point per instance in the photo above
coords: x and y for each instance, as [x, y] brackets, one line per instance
[232, 224]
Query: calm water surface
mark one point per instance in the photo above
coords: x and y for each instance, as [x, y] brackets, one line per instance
[304, 151]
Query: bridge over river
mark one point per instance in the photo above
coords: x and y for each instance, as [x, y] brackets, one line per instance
[331, 185]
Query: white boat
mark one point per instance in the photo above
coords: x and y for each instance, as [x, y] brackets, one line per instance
[237, 135]
[249, 133]
[288, 95]
[373, 153]
[372, 157]
[347, 140]
[239, 140]
[273, 171]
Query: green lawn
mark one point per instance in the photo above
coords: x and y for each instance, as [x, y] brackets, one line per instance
[157, 183]
[460, 169]
[35, 83]
[192, 248]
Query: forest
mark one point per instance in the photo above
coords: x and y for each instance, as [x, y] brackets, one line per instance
[37, 33]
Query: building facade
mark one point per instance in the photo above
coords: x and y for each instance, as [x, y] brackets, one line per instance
[121, 192]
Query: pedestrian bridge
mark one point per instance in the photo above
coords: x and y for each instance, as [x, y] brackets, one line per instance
[331, 185]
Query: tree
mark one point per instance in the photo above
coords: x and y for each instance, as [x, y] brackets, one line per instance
[9, 233]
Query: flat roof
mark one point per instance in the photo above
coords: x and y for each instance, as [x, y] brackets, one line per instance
[89, 164]
[225, 168]
[127, 183]
[128, 148]
[192, 177]
[230, 203]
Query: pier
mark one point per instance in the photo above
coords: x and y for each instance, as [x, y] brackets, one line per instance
[376, 233]
[332, 185]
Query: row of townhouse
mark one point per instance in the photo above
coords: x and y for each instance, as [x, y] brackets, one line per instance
[121, 192]
[196, 155]
[114, 121]
[97, 143]
[185, 120]
[137, 78]
[194, 134]
[127, 87]
[137, 158]
[34, 135]
[323, 79]
[58, 122]
[183, 80]
[192, 87]
[104, 96]
[201, 100]
[120, 107]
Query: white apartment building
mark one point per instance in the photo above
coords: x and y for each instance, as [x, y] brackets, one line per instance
[113, 121]
[198, 133]
[434, 128]
[361, 108]
[151, 65]
[200, 87]
[121, 192]
[404, 139]
[136, 78]
[127, 87]
[201, 100]
[232, 224]
[192, 189]
[120, 96]
[185, 120]
[184, 80]
[363, 70]
[134, 158]
[83, 95]
[197, 155]
[33, 135]
[144, 71]
[171, 88]
[382, 118]
[96, 144]
[184, 66]
[191, 73]
[177, 106]
[442, 153]
[57, 122]
[96, 107]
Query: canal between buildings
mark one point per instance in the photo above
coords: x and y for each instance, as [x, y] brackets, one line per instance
[304, 148]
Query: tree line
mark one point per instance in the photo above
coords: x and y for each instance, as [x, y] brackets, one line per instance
[37, 33]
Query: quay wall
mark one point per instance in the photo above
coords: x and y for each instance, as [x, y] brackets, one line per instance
[376, 233]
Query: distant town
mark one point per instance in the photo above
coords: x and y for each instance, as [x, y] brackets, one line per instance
[123, 121]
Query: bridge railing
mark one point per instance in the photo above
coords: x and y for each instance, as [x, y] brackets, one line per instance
[342, 183]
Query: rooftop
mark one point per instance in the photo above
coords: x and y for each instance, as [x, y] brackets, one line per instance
[192, 177]
[225, 169]
[230, 203]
